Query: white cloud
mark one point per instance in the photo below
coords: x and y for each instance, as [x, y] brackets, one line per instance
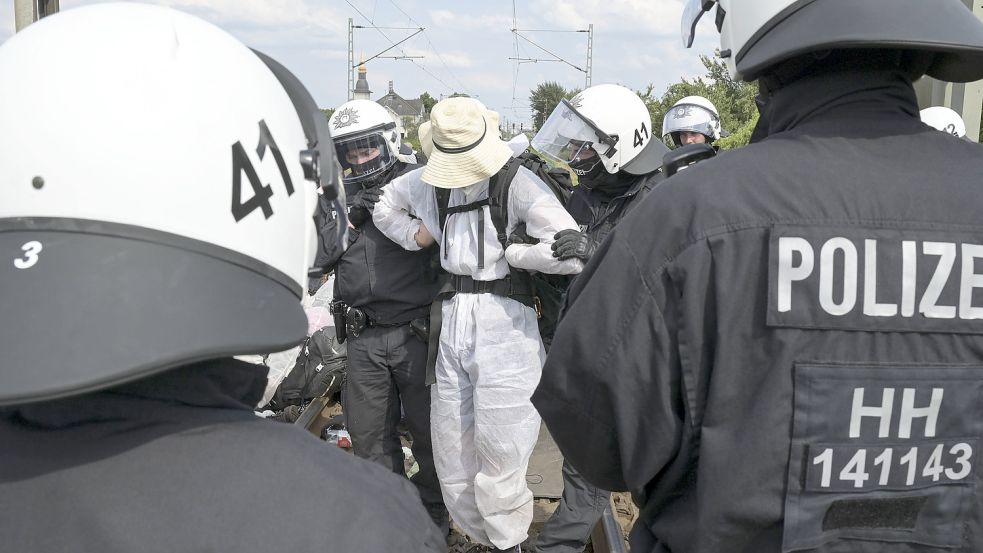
[449, 20]
[452, 59]
[328, 54]
[484, 82]
[610, 16]
[284, 14]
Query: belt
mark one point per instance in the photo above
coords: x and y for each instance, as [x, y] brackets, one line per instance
[517, 288]
[357, 320]
[517, 285]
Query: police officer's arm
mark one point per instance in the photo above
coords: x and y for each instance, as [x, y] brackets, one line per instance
[329, 250]
[610, 392]
[392, 214]
[533, 203]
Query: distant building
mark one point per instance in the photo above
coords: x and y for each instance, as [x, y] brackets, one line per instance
[362, 91]
[409, 113]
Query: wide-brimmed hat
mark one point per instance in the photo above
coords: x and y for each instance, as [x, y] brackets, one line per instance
[466, 145]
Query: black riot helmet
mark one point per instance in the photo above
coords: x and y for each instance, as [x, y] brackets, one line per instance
[756, 36]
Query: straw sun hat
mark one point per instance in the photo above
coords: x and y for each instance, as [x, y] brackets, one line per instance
[466, 145]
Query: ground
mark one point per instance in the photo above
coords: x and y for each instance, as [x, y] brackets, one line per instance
[624, 510]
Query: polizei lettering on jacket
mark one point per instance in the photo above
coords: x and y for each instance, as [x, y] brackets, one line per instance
[868, 278]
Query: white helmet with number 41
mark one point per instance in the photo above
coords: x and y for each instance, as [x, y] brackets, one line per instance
[608, 119]
[157, 199]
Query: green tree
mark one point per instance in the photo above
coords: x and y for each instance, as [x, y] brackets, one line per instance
[734, 101]
[328, 112]
[412, 132]
[428, 101]
[544, 98]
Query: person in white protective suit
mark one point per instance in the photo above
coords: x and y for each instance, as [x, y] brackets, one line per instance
[490, 356]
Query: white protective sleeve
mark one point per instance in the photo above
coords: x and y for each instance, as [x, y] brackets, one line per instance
[394, 214]
[532, 202]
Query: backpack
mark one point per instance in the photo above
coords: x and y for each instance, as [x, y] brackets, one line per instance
[548, 289]
[318, 371]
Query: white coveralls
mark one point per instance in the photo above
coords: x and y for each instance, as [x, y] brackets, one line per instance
[490, 356]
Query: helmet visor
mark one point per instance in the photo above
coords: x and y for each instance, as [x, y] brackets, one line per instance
[363, 157]
[692, 118]
[692, 13]
[567, 137]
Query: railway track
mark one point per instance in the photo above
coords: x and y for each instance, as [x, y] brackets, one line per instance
[607, 536]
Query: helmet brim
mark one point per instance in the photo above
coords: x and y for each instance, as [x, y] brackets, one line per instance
[649, 160]
[122, 303]
[882, 24]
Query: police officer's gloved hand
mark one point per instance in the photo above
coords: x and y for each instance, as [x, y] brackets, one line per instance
[519, 236]
[366, 198]
[361, 203]
[572, 243]
[357, 216]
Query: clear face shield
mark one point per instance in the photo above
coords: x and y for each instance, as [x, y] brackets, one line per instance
[692, 13]
[573, 140]
[363, 156]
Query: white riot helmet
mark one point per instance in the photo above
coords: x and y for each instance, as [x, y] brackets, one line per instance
[755, 35]
[608, 122]
[157, 199]
[366, 138]
[692, 114]
[945, 120]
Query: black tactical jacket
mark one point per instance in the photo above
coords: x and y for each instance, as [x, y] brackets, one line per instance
[598, 212]
[179, 462]
[781, 349]
[391, 284]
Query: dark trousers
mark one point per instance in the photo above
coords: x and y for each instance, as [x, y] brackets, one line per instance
[386, 370]
[581, 506]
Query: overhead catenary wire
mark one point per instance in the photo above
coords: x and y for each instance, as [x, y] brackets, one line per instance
[558, 58]
[384, 35]
[420, 30]
[520, 55]
[515, 64]
[432, 47]
[551, 30]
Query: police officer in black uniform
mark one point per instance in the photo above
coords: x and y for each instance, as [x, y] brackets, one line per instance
[384, 294]
[127, 285]
[608, 188]
[781, 348]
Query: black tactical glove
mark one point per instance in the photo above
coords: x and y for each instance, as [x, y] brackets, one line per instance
[361, 203]
[572, 243]
[357, 216]
[366, 198]
[519, 236]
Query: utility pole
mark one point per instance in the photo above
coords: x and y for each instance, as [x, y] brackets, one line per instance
[29, 11]
[351, 60]
[590, 53]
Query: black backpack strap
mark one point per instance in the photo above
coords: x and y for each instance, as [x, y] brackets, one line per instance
[473, 206]
[498, 198]
[443, 198]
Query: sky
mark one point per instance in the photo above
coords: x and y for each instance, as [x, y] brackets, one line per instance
[465, 47]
